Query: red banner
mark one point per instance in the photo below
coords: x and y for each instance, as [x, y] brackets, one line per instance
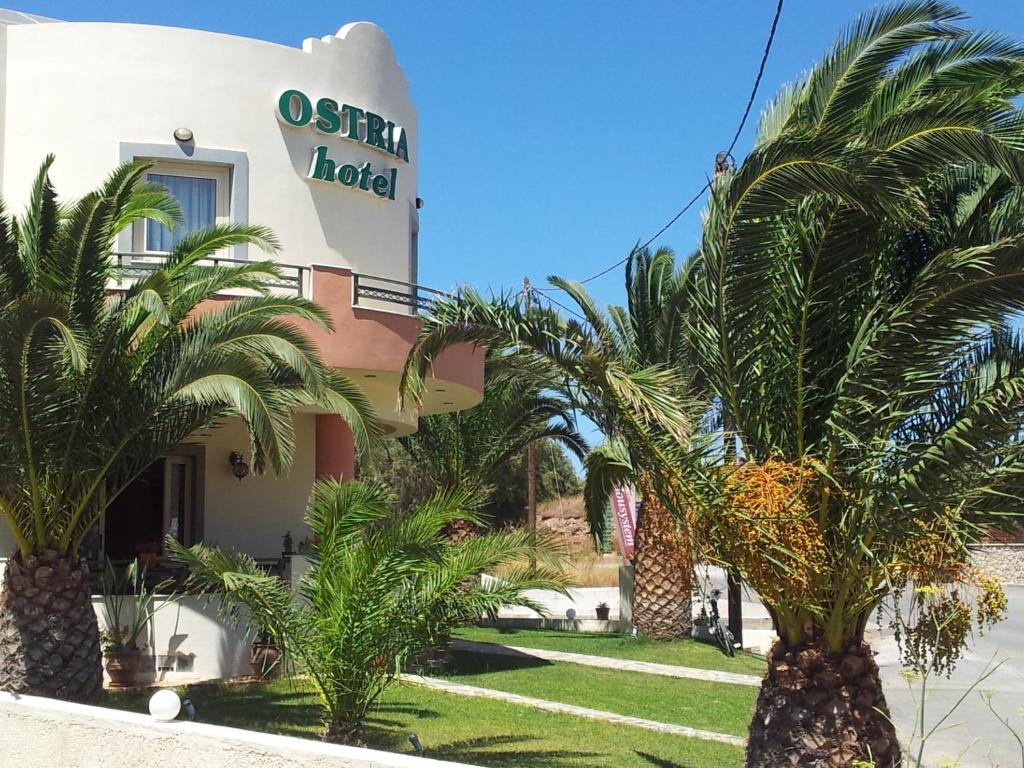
[625, 519]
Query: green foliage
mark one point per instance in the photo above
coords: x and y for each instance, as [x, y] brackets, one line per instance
[482, 450]
[556, 478]
[467, 449]
[855, 277]
[96, 384]
[129, 604]
[625, 369]
[382, 586]
[411, 483]
[846, 313]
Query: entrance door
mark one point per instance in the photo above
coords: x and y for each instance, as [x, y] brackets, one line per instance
[159, 501]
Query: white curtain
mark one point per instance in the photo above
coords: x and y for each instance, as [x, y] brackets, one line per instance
[198, 201]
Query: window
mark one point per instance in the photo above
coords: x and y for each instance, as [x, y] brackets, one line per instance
[201, 190]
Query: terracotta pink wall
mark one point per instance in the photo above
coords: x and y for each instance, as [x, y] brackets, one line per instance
[380, 341]
[335, 448]
[372, 339]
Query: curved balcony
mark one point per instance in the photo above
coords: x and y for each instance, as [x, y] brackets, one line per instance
[375, 326]
[374, 329]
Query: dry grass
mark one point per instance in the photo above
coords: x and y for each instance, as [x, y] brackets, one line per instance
[564, 520]
[590, 569]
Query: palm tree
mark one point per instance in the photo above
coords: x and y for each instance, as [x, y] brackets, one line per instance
[469, 449]
[649, 332]
[626, 371]
[96, 385]
[851, 273]
[382, 587]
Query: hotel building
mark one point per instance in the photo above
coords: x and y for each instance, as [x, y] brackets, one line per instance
[317, 142]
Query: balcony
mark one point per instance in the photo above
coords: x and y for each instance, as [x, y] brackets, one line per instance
[368, 290]
[135, 266]
[375, 322]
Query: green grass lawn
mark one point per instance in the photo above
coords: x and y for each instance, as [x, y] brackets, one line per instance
[711, 706]
[476, 731]
[686, 653]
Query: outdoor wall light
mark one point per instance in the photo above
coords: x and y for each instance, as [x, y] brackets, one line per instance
[183, 134]
[164, 705]
[238, 466]
[419, 203]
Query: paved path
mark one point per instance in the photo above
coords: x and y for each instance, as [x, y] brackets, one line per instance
[629, 665]
[972, 729]
[460, 689]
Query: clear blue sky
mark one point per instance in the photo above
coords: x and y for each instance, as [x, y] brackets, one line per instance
[554, 135]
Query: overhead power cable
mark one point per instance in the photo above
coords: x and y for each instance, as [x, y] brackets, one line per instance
[724, 157]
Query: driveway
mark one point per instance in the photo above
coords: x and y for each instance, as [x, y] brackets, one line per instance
[972, 730]
[972, 733]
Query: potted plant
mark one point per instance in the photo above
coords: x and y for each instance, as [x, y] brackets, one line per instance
[264, 655]
[128, 606]
[148, 553]
[603, 611]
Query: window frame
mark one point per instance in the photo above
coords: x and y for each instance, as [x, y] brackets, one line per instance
[221, 176]
[189, 490]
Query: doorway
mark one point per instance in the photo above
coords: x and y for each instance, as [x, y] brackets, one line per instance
[160, 501]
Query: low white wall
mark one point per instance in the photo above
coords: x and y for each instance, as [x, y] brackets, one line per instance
[188, 640]
[43, 733]
[580, 604]
[191, 639]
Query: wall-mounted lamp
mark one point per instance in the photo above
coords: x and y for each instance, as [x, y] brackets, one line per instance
[183, 134]
[419, 203]
[238, 466]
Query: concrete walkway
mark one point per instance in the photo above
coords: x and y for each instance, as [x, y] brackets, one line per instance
[972, 736]
[628, 665]
[459, 689]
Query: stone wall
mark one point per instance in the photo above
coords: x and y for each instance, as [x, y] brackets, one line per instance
[1004, 561]
[43, 733]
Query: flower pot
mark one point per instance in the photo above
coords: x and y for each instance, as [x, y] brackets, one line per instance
[148, 558]
[263, 658]
[603, 613]
[122, 666]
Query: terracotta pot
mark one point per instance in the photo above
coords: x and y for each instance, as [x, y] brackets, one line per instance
[122, 666]
[148, 558]
[603, 613]
[263, 658]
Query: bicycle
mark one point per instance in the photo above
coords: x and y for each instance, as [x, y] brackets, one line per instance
[717, 626]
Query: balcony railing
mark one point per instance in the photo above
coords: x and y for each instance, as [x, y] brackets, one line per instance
[170, 574]
[417, 298]
[135, 266]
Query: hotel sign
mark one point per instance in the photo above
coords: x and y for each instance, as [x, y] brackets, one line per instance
[625, 520]
[346, 121]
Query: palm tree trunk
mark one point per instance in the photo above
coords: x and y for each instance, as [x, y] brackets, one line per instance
[49, 636]
[344, 732]
[662, 584]
[821, 709]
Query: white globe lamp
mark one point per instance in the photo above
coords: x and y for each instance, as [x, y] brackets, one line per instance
[164, 705]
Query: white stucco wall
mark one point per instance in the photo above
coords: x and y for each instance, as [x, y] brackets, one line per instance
[253, 514]
[7, 545]
[81, 90]
[580, 603]
[43, 733]
[192, 642]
